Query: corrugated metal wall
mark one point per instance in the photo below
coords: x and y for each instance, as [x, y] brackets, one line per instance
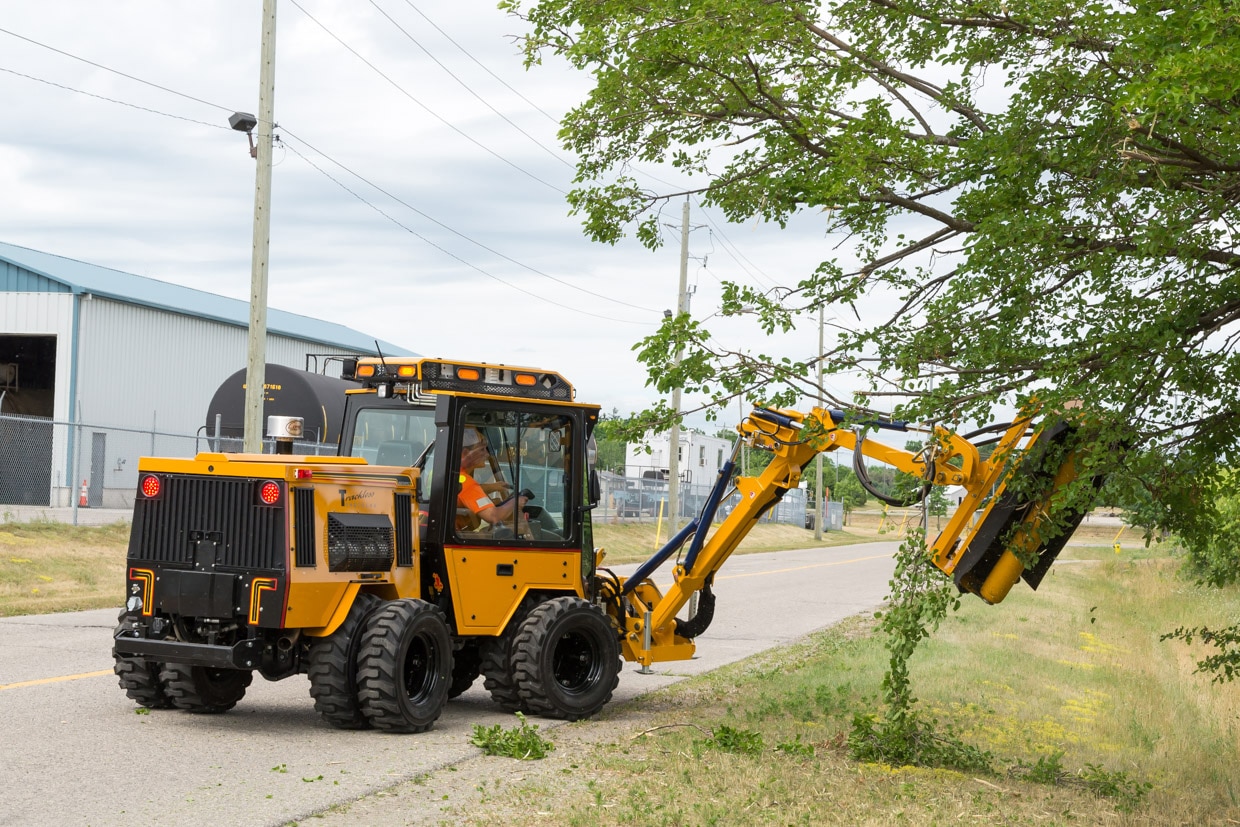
[146, 368]
[14, 279]
[136, 367]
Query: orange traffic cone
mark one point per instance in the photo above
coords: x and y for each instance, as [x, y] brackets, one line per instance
[82, 497]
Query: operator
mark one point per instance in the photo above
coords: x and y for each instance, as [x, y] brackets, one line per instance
[471, 496]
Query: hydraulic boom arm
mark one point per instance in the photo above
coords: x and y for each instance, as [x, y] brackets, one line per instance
[996, 526]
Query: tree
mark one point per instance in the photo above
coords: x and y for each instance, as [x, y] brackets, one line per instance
[1022, 200]
[849, 492]
[609, 437]
[1044, 190]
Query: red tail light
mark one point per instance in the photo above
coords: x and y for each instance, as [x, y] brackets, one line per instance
[269, 493]
[150, 486]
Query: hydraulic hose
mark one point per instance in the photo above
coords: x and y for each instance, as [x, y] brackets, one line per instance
[863, 477]
[700, 622]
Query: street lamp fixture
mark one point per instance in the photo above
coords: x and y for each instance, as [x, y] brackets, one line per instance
[245, 122]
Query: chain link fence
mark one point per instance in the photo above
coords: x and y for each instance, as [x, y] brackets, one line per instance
[52, 464]
[646, 500]
[45, 463]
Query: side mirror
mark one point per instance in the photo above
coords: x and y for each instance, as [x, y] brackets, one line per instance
[593, 491]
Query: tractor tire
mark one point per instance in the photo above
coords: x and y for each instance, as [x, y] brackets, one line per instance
[332, 668]
[404, 666]
[496, 664]
[202, 689]
[566, 659]
[140, 678]
[466, 667]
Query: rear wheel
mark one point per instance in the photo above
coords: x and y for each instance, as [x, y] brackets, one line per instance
[466, 667]
[139, 678]
[405, 666]
[496, 664]
[204, 689]
[332, 668]
[566, 659]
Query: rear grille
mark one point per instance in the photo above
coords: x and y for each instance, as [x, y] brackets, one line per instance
[250, 536]
[403, 514]
[303, 526]
[359, 542]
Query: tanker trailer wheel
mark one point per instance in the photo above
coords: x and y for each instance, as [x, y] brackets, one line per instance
[332, 668]
[404, 667]
[204, 689]
[140, 678]
[566, 658]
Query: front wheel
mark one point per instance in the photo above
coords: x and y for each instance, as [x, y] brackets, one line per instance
[404, 666]
[566, 659]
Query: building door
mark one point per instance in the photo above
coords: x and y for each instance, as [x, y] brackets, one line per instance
[27, 396]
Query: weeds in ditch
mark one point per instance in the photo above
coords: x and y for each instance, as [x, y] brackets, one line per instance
[522, 741]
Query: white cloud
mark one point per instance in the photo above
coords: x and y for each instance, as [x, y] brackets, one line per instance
[173, 199]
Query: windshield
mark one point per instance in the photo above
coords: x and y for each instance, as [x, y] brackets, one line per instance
[393, 436]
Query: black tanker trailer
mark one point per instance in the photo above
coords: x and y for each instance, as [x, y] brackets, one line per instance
[317, 399]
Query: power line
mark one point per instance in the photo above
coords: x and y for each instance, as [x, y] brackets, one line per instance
[443, 250]
[111, 100]
[426, 108]
[369, 183]
[456, 232]
[468, 89]
[735, 254]
[481, 65]
[113, 71]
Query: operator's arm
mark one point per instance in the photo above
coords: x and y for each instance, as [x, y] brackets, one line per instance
[476, 500]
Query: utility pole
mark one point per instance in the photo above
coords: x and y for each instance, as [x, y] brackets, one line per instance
[673, 447]
[256, 352]
[821, 507]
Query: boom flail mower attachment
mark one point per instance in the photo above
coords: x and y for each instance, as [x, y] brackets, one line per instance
[1006, 527]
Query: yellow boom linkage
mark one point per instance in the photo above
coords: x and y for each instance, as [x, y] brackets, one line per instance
[981, 547]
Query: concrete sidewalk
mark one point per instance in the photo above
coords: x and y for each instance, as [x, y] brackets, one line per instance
[84, 516]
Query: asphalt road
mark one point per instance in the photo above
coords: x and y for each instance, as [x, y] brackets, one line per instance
[75, 751]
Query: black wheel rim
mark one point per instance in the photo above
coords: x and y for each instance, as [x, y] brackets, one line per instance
[575, 662]
[419, 671]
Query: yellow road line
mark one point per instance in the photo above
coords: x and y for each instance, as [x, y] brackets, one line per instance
[802, 568]
[41, 681]
[102, 672]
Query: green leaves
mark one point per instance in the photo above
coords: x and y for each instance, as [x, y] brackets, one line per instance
[919, 600]
[522, 741]
[1015, 198]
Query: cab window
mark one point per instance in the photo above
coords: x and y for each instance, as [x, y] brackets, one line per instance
[507, 456]
[386, 436]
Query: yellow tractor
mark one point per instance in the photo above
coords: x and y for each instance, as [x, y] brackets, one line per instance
[451, 539]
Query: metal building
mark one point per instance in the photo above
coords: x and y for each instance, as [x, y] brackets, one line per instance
[81, 343]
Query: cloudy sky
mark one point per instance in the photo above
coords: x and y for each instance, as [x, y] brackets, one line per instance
[418, 196]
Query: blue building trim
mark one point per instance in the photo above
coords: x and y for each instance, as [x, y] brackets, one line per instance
[26, 270]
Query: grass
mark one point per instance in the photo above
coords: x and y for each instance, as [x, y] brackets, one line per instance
[50, 567]
[522, 741]
[1089, 716]
[634, 542]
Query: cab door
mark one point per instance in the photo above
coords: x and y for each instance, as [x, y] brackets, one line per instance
[506, 506]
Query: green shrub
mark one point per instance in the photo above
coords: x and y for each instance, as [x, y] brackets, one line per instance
[522, 741]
